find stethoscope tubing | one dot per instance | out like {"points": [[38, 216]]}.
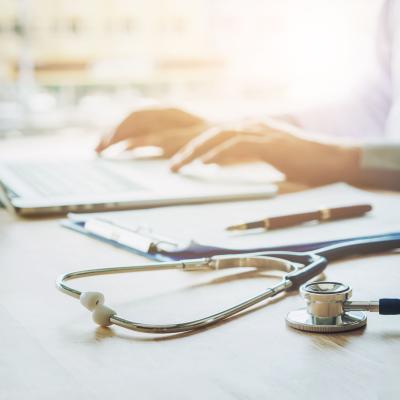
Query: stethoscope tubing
{"points": [[314, 263], [359, 247], [216, 263], [197, 250], [202, 322]]}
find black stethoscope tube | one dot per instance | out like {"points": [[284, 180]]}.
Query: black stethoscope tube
{"points": [[360, 247], [316, 261], [336, 250]]}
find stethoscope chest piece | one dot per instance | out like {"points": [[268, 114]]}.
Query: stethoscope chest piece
{"points": [[325, 311]]}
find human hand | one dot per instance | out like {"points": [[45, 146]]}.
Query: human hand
{"points": [[299, 158], [167, 128]]}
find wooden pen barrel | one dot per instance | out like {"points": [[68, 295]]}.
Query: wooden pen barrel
{"points": [[324, 214], [343, 212]]}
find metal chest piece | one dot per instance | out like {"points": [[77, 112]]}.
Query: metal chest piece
{"points": [[325, 311]]}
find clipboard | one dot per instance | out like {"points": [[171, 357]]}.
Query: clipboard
{"points": [[195, 231], [197, 250]]}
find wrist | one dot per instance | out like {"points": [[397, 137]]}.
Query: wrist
{"points": [[351, 160], [344, 163]]}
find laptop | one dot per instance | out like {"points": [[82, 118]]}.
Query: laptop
{"points": [[31, 188]]}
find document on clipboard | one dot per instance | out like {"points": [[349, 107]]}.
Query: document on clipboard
{"points": [[193, 231]]}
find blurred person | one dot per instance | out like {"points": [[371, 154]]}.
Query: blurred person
{"points": [[293, 148]]}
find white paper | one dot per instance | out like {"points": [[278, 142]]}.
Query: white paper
{"points": [[206, 223]]}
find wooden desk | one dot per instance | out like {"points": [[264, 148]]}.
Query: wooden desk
{"points": [[50, 348]]}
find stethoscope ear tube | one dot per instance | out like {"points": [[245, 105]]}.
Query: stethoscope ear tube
{"points": [[359, 247], [316, 265]]}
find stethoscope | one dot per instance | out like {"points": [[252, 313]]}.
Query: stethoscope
{"points": [[328, 306]]}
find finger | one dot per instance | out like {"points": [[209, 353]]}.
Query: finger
{"points": [[104, 143], [223, 153], [169, 140], [200, 146], [236, 150], [173, 139], [109, 140], [129, 127], [144, 122], [142, 141]]}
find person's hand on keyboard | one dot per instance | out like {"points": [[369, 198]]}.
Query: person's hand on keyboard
{"points": [[167, 128], [300, 158]]}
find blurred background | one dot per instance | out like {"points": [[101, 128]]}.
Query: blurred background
{"points": [[86, 64]]}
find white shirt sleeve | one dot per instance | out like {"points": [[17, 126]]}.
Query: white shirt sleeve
{"points": [[381, 156], [392, 129], [386, 155]]}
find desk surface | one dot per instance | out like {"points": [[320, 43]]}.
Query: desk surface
{"points": [[50, 348]]}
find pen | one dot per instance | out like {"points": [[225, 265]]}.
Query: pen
{"points": [[322, 214]]}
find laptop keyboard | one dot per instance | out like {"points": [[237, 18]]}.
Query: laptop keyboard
{"points": [[72, 178]]}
